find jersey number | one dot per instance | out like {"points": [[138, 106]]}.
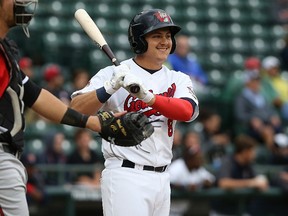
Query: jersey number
{"points": [[170, 127]]}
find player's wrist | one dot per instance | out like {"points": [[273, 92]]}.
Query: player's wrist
{"points": [[109, 87], [93, 123], [149, 98], [102, 94]]}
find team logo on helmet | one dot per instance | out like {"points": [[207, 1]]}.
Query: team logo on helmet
{"points": [[162, 17]]}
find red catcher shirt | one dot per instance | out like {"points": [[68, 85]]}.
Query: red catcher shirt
{"points": [[4, 76]]}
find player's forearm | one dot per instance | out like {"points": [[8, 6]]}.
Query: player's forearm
{"points": [[49, 106], [87, 103], [228, 183], [173, 108], [53, 109]]}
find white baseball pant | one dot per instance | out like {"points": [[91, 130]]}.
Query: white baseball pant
{"points": [[130, 192], [13, 178]]}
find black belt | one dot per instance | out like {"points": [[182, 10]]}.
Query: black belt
{"points": [[130, 164], [9, 149]]}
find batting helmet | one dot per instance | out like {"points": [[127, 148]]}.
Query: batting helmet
{"points": [[148, 21]]}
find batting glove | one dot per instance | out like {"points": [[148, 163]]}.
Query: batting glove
{"points": [[143, 94], [112, 85]]}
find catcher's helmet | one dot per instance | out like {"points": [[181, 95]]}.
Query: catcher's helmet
{"points": [[148, 21], [24, 11]]}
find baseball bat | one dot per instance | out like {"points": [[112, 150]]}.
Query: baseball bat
{"points": [[91, 29]]}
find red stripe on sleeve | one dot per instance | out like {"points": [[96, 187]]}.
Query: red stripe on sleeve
{"points": [[173, 108], [4, 76]]}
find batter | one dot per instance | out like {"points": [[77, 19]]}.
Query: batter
{"points": [[135, 180]]}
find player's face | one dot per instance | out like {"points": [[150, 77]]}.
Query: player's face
{"points": [[6, 15], [159, 44]]}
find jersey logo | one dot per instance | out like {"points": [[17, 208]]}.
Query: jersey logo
{"points": [[133, 104], [1, 212], [191, 91]]}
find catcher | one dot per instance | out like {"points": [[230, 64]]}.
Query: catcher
{"points": [[17, 91]]}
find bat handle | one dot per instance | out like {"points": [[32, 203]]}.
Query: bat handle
{"points": [[134, 89]]}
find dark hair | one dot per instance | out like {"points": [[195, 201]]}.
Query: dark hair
{"points": [[243, 142], [79, 132], [206, 114]]}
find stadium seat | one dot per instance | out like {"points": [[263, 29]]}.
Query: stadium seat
{"points": [[98, 59], [35, 146], [238, 45], [102, 9], [193, 28], [126, 10], [192, 13], [236, 4], [215, 29], [260, 46], [214, 61], [198, 44], [216, 44], [216, 14], [236, 29]]}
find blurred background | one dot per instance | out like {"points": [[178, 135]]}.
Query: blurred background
{"points": [[225, 40]]}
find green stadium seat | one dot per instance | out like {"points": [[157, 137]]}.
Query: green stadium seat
{"points": [[214, 61], [276, 31], [98, 59], [238, 45], [103, 9], [125, 10], [235, 61], [192, 28], [215, 29], [258, 31], [38, 24], [217, 14], [35, 146], [258, 16], [237, 30], [236, 4], [197, 43], [260, 46], [121, 26], [216, 44], [121, 42], [216, 77], [39, 129], [192, 13]]}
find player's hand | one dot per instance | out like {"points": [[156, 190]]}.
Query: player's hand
{"points": [[143, 93], [112, 85]]}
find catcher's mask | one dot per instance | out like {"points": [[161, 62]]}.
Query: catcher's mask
{"points": [[23, 12], [146, 22]]}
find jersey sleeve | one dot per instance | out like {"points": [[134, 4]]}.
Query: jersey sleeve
{"points": [[4, 76], [185, 90], [31, 91], [96, 82]]}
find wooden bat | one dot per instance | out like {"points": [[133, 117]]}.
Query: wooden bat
{"points": [[97, 37]]}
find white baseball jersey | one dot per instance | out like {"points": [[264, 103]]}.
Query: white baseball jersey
{"points": [[156, 150], [180, 174]]}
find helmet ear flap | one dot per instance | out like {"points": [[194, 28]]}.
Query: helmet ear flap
{"points": [[173, 45], [136, 40]]}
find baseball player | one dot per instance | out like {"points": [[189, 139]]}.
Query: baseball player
{"points": [[16, 92], [135, 180]]}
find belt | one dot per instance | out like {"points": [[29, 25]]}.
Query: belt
{"points": [[8, 149], [130, 164]]}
